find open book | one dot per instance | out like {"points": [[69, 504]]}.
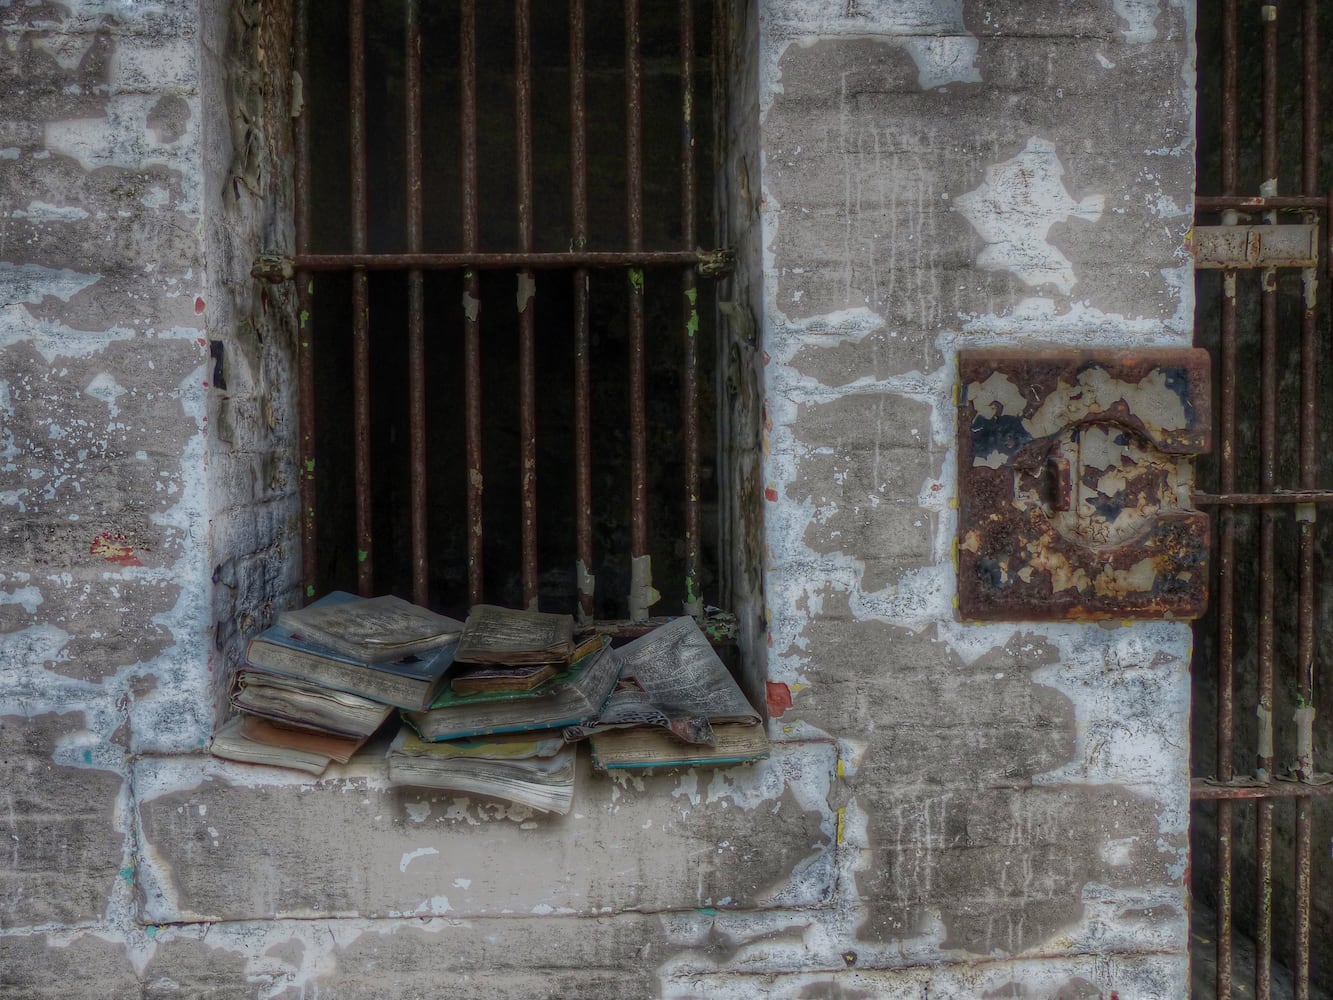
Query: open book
{"points": [[672, 679]]}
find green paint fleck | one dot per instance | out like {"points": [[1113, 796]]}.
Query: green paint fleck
{"points": [[87, 756], [128, 875], [691, 595], [708, 911], [309, 590], [692, 294], [362, 555], [150, 931], [310, 465], [305, 318], [636, 278], [692, 327], [311, 287]]}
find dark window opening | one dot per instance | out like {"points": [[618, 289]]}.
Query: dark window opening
{"points": [[383, 552]]}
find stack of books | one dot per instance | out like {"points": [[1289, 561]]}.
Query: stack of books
{"points": [[495, 706], [496, 728], [323, 679]]}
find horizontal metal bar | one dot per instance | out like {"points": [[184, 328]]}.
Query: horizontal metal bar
{"points": [[1202, 789], [1277, 498], [278, 267], [1256, 246], [721, 631], [1220, 203]]}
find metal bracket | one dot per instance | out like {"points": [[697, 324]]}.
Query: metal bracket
{"points": [[1256, 246]]}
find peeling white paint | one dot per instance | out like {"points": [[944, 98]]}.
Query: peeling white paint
{"points": [[931, 32], [1013, 211], [1141, 18], [410, 856]]}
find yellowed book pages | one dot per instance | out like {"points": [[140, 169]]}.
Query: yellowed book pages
{"points": [[339, 748]]}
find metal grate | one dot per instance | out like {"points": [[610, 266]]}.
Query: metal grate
{"points": [[640, 267], [1267, 482]]}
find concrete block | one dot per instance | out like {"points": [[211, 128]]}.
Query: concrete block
{"points": [[235, 843], [1004, 870], [58, 966], [63, 850]]}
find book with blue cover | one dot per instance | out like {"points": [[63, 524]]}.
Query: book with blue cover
{"points": [[380, 629], [411, 682]]}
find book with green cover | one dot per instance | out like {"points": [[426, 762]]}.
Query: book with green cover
{"points": [[573, 695]]}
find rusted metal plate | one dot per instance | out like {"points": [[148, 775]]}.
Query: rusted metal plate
{"points": [[1256, 246], [1075, 473]]}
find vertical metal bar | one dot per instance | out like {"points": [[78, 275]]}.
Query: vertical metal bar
{"points": [[1268, 481], [1226, 552], [1305, 516], [305, 289], [689, 403], [365, 576], [527, 384], [416, 334], [467, 73], [641, 596], [578, 166]]}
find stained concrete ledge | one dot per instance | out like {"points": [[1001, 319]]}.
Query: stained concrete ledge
{"points": [[229, 842]]}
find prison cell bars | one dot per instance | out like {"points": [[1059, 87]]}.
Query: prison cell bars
{"points": [[1262, 786], [524, 261]]}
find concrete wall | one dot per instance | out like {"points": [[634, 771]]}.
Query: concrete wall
{"points": [[951, 809]]}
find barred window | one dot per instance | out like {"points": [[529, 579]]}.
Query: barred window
{"points": [[508, 350]]}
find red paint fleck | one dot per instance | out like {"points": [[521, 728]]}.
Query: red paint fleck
{"points": [[770, 494], [203, 342], [767, 359], [779, 698], [205, 383], [114, 548], [198, 305]]}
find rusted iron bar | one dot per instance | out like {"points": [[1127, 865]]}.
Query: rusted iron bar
{"points": [[1202, 790], [365, 554], [1278, 498], [721, 632], [416, 314], [1226, 550], [1249, 204], [709, 263], [1268, 433], [640, 597], [578, 167], [527, 336], [467, 75], [1304, 885], [689, 402], [305, 289], [1309, 417]]}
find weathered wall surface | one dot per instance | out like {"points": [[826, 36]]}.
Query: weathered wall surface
{"points": [[954, 809]]}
